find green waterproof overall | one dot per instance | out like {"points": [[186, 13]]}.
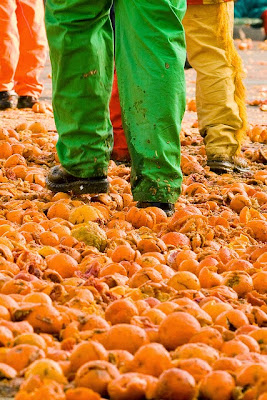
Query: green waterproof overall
{"points": [[150, 56]]}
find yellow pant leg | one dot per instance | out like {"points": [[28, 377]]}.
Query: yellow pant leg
{"points": [[220, 119]]}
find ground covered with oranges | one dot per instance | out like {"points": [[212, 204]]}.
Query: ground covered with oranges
{"points": [[101, 300]]}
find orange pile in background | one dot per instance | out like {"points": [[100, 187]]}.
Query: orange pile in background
{"points": [[99, 299]]}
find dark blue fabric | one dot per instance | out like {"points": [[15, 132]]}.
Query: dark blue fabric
{"points": [[250, 8]]}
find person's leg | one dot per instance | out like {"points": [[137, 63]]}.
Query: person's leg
{"points": [[150, 57], [33, 49], [81, 47], [220, 102], [9, 50], [120, 149]]}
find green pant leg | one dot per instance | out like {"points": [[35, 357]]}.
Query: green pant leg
{"points": [[81, 48], [150, 56]]}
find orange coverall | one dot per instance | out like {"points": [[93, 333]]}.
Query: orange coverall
{"points": [[22, 46]]}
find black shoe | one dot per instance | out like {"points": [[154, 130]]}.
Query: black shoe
{"points": [[168, 208], [187, 65], [226, 166], [127, 163], [59, 180], [7, 100], [26, 101]]}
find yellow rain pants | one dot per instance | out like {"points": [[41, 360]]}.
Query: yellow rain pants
{"points": [[220, 94]]}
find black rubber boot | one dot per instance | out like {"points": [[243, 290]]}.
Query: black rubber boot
{"points": [[26, 101], [7, 100], [59, 180], [168, 208], [225, 166]]}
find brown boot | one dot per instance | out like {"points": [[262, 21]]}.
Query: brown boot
{"points": [[227, 165]]}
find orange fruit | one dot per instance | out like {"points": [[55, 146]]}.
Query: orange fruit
{"points": [[196, 350], [260, 281], [125, 337], [232, 319], [34, 297], [120, 358], [85, 352], [177, 329], [22, 355], [132, 386], [210, 336], [6, 337], [150, 359], [92, 322], [120, 312], [175, 239], [62, 263], [5, 149], [49, 239], [196, 367], [59, 210], [227, 364], [217, 382], [123, 252], [175, 384], [96, 375], [20, 171], [15, 159], [234, 347], [82, 394]]}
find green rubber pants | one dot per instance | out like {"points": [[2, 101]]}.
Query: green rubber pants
{"points": [[150, 55]]}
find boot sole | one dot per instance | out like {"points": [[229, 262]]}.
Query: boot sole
{"points": [[225, 167], [21, 106], [80, 186]]}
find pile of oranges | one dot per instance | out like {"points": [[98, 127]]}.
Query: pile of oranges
{"points": [[99, 299]]}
